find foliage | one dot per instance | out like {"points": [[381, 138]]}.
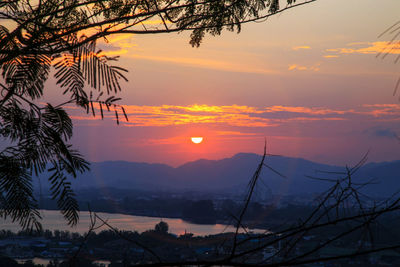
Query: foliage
{"points": [[201, 211], [161, 227], [345, 224], [36, 36], [37, 135], [393, 32]]}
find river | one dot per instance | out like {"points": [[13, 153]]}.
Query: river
{"points": [[53, 220]]}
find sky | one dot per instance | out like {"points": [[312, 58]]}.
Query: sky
{"points": [[309, 81]]}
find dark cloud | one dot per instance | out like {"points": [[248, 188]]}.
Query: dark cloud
{"points": [[381, 132]]}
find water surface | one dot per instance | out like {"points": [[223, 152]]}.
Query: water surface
{"points": [[53, 220]]}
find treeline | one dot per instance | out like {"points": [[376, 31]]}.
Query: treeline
{"points": [[103, 236], [204, 211], [120, 247], [9, 262], [207, 211]]}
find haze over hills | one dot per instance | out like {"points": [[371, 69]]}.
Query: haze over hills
{"points": [[233, 174]]}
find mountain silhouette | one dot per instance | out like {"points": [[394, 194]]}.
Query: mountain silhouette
{"points": [[233, 174]]}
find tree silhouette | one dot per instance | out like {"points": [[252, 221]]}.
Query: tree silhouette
{"points": [[161, 227], [343, 216], [393, 32], [36, 36]]}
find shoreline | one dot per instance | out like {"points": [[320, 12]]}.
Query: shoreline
{"points": [[53, 220]]}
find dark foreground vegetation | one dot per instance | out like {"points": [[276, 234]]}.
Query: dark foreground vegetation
{"points": [[40, 39], [344, 227], [125, 248]]}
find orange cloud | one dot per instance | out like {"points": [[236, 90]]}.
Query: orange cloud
{"points": [[116, 45], [296, 67], [306, 110], [381, 110], [242, 116], [167, 115], [86, 118], [303, 68], [392, 47], [304, 119], [301, 47]]}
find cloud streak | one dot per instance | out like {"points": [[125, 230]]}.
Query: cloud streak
{"points": [[315, 67], [381, 132], [383, 47], [301, 47], [246, 116]]}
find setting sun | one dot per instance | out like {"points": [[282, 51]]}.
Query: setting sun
{"points": [[197, 140]]}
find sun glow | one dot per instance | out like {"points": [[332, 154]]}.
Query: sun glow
{"points": [[197, 140]]}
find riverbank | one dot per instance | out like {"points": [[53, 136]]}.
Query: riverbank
{"points": [[53, 220]]}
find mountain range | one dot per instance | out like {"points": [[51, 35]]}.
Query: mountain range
{"points": [[233, 174]]}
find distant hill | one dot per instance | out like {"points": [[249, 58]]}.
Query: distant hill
{"points": [[233, 174]]}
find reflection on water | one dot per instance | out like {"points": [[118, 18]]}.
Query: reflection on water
{"points": [[35, 261], [53, 220], [45, 262]]}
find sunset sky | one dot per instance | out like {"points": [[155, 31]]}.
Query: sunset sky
{"points": [[308, 81]]}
